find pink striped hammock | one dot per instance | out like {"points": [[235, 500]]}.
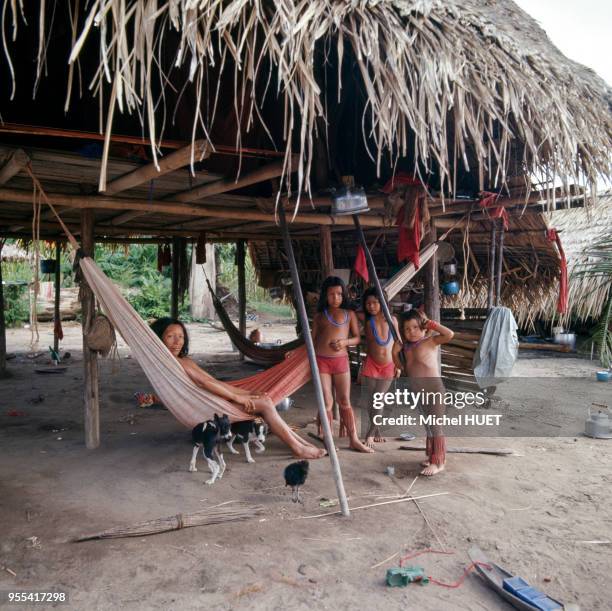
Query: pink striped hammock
{"points": [[188, 403]]}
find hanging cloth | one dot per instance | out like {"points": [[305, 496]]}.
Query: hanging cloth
{"points": [[562, 303], [361, 265], [488, 200]]}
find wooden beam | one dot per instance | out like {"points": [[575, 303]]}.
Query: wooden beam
{"points": [[17, 196], [2, 321], [312, 358], [431, 282], [266, 172], [57, 318], [500, 258], [491, 291], [240, 261], [174, 296], [90, 358], [120, 219], [55, 132], [175, 160], [327, 257], [16, 162]]}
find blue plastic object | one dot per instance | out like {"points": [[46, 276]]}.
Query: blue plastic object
{"points": [[521, 589], [451, 287]]}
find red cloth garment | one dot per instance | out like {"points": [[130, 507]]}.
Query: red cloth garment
{"points": [[409, 240], [361, 265], [57, 329], [401, 178], [488, 200], [373, 369], [563, 302]]}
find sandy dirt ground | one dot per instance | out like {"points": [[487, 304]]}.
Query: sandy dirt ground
{"points": [[543, 513]]}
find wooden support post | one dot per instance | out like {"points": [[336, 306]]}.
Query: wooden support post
{"points": [[90, 358], [57, 318], [500, 258], [431, 281], [316, 378], [2, 322], [491, 295], [174, 297], [240, 259], [327, 257]]}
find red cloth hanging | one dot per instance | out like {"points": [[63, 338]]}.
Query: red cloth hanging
{"points": [[361, 265], [488, 200], [401, 178], [563, 301], [57, 329], [409, 239]]}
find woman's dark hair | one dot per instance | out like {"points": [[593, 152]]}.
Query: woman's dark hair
{"points": [[370, 292], [328, 283], [161, 324]]}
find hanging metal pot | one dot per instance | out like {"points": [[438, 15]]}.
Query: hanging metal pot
{"points": [[47, 266], [450, 268]]}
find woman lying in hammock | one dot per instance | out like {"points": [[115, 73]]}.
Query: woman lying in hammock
{"points": [[174, 336]]}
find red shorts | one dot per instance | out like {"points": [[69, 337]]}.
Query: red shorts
{"points": [[333, 364], [372, 369]]}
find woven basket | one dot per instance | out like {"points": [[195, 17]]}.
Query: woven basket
{"points": [[101, 336]]}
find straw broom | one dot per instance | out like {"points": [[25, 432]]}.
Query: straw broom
{"points": [[206, 517]]}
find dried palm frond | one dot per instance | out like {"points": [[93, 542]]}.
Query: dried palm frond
{"points": [[214, 515], [480, 75]]}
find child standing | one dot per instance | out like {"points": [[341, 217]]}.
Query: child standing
{"points": [[379, 369], [420, 348], [334, 329]]}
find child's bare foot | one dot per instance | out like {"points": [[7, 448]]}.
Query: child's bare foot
{"points": [[369, 442], [379, 439], [355, 444], [425, 463], [432, 470]]}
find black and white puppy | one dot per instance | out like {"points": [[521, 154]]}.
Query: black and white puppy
{"points": [[245, 432], [209, 436]]}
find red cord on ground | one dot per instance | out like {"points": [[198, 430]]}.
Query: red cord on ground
{"points": [[455, 584]]}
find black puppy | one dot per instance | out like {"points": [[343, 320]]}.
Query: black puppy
{"points": [[245, 432], [209, 435]]}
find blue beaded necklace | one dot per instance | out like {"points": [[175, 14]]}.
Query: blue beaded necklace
{"points": [[333, 322], [377, 337]]}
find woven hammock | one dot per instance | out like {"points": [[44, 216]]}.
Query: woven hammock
{"points": [[189, 403], [259, 354]]}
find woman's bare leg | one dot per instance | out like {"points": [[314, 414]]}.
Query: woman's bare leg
{"points": [[342, 383], [300, 448]]}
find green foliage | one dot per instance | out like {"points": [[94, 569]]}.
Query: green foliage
{"points": [[227, 274], [16, 305]]}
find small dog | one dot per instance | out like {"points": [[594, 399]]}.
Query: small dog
{"points": [[245, 432], [209, 435]]}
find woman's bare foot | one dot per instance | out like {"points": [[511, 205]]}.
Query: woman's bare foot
{"points": [[432, 470], [309, 452], [355, 444]]}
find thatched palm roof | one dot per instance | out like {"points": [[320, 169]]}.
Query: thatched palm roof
{"points": [[581, 229], [447, 83]]}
